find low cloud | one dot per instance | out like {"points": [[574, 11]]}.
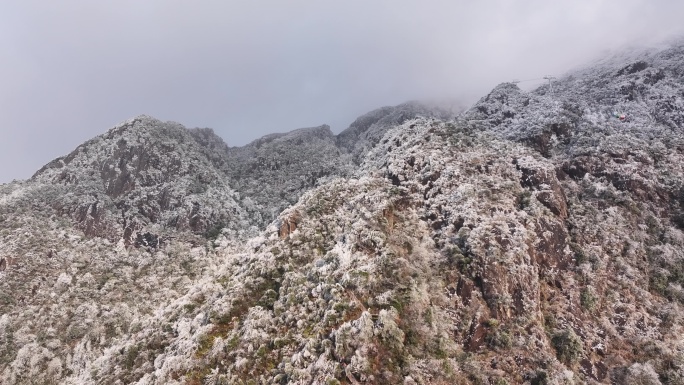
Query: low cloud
{"points": [[72, 69]]}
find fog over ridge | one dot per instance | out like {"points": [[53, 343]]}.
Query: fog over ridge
{"points": [[246, 69]]}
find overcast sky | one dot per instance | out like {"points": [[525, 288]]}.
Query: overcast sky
{"points": [[70, 69]]}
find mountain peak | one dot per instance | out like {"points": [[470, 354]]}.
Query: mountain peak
{"points": [[145, 172], [139, 122]]}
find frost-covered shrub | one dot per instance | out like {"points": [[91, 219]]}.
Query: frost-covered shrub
{"points": [[641, 374], [568, 346], [588, 298]]}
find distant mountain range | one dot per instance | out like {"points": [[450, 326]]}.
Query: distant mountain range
{"points": [[535, 238]]}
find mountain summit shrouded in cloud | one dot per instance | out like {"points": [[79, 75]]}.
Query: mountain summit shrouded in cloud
{"points": [[535, 238], [249, 69]]}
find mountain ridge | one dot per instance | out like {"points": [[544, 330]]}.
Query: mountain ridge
{"points": [[537, 238]]}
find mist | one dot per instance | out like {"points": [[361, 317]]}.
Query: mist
{"points": [[73, 69]]}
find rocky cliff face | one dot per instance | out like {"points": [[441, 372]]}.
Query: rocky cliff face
{"points": [[535, 239]]}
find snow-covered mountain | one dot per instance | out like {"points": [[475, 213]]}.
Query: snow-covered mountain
{"points": [[142, 176], [537, 238]]}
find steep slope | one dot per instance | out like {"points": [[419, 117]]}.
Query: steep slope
{"points": [[99, 238], [469, 262], [536, 239], [623, 181], [466, 261], [460, 263]]}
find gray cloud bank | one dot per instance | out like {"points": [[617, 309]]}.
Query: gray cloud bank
{"points": [[71, 69]]}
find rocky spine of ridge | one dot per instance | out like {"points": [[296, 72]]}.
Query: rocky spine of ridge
{"points": [[145, 179]]}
